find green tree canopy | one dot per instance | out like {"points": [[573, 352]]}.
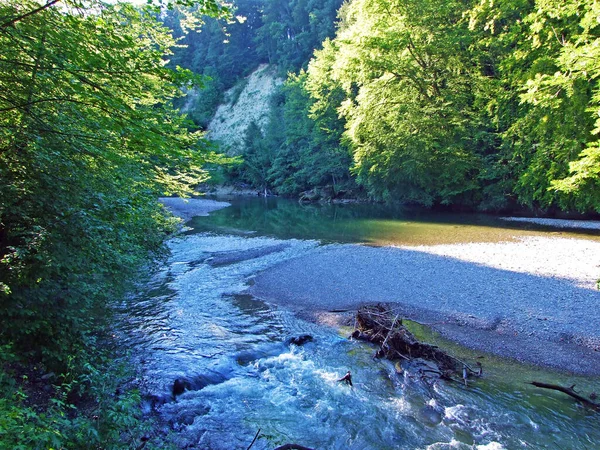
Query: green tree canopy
{"points": [[410, 88], [88, 140], [470, 103]]}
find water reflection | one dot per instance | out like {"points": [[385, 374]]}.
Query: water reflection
{"points": [[373, 224]]}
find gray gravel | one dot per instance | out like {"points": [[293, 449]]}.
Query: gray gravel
{"points": [[186, 208], [534, 300], [558, 223]]}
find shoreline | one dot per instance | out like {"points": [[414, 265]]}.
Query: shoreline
{"points": [[527, 309], [533, 300], [557, 223], [186, 208]]}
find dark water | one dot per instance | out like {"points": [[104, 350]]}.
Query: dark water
{"points": [[366, 223], [193, 322]]}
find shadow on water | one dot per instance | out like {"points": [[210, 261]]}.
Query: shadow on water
{"points": [[374, 224]]}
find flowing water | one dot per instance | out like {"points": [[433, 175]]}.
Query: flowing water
{"points": [[239, 373]]}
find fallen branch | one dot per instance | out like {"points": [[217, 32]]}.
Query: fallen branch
{"points": [[254, 440], [390, 332], [477, 372], [346, 378], [569, 391]]}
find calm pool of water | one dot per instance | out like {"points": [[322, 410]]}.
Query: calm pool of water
{"points": [[366, 223]]}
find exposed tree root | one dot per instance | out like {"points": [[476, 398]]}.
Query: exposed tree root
{"points": [[382, 326]]}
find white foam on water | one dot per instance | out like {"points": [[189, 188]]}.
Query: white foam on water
{"points": [[401, 404], [490, 446], [292, 393]]}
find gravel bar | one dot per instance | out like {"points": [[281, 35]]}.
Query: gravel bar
{"points": [[557, 223], [534, 300], [186, 208]]}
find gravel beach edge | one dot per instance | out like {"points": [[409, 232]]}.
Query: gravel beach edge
{"points": [[533, 300], [186, 208]]}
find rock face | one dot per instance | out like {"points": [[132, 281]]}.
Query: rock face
{"points": [[246, 103]]}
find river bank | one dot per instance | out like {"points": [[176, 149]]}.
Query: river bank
{"points": [[533, 299], [194, 326]]}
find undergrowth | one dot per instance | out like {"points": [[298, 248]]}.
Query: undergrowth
{"points": [[86, 407]]}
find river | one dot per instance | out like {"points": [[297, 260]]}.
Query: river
{"points": [[192, 321]]}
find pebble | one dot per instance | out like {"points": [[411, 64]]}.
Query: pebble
{"points": [[492, 289]]}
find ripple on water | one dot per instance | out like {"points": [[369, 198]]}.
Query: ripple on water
{"points": [[195, 323]]}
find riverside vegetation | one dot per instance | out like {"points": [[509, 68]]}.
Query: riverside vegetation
{"points": [[88, 140], [471, 104], [479, 105]]}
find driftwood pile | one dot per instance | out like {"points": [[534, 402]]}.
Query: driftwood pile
{"points": [[382, 326]]}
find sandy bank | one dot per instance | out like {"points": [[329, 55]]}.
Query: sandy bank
{"points": [[186, 208], [534, 300]]}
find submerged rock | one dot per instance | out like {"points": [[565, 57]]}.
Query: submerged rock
{"points": [[429, 415], [154, 402], [301, 340], [180, 385], [252, 355], [198, 382], [233, 257]]}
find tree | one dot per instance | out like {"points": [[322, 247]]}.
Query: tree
{"points": [[88, 140], [543, 55], [292, 29], [309, 154], [566, 90], [409, 84], [257, 158]]}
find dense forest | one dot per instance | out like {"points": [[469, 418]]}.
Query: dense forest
{"points": [[89, 139], [467, 104], [478, 105]]}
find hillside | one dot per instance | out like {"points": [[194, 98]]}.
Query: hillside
{"points": [[246, 102]]}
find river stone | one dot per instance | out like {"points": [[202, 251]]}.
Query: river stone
{"points": [[301, 340], [180, 385], [48, 376], [198, 382], [430, 416], [153, 402]]}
